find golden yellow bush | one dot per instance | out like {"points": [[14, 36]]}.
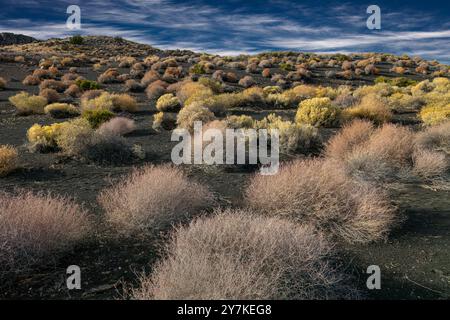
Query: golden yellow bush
{"points": [[168, 102], [238, 122], [43, 137], [124, 102], [8, 159], [188, 89], [434, 114], [318, 112], [61, 110], [26, 104], [371, 107]]}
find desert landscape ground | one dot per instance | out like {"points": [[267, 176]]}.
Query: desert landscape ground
{"points": [[364, 178]]}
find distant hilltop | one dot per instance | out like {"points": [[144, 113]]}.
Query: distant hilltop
{"points": [[7, 38]]}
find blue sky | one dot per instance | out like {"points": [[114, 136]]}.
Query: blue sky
{"points": [[249, 26]]}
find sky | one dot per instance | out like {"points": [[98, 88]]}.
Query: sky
{"points": [[246, 26]]}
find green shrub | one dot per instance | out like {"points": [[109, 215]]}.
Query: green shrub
{"points": [[87, 84], [97, 116], [77, 40]]}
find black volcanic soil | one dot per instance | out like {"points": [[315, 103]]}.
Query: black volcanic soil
{"points": [[415, 261]]}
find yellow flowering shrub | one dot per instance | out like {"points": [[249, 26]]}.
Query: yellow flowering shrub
{"points": [[372, 107], [8, 159], [43, 137], [168, 102], [434, 114], [318, 112]]}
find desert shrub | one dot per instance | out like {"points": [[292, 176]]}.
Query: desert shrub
{"points": [[87, 84], [371, 107], [8, 159], [168, 103], [293, 137], [52, 84], [247, 82], [166, 121], [43, 138], [73, 136], [133, 86], [368, 153], [96, 117], [239, 122], [110, 150], [317, 112], [76, 40], [42, 74], [434, 114], [61, 110], [109, 76], [117, 126], [237, 255], [51, 95], [153, 197], [320, 193], [149, 77], [102, 102], [2, 83], [26, 104], [124, 102], [188, 89], [197, 69], [379, 89], [154, 91], [31, 80], [91, 94], [429, 164], [400, 102], [73, 91], [191, 113], [36, 227], [215, 86], [435, 138]]}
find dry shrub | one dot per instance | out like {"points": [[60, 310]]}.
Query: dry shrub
{"points": [[62, 110], [188, 89], [237, 255], [166, 121], [110, 150], [168, 103], [52, 84], [133, 86], [117, 126], [35, 227], [429, 164], [369, 153], [318, 112], [192, 113], [149, 77], [73, 90], [51, 95], [320, 193], [109, 76], [31, 80], [73, 136], [91, 94], [124, 102], [153, 197], [26, 104], [371, 107], [154, 91], [436, 138], [8, 159]]}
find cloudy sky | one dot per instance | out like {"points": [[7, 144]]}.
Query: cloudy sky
{"points": [[249, 26]]}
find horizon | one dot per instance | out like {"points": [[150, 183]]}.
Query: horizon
{"points": [[233, 28]]}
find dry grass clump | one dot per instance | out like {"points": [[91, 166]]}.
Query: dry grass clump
{"points": [[2, 83], [61, 110], [320, 193], [371, 107], [237, 255], [192, 113], [117, 126], [108, 101], [73, 91], [318, 112], [8, 159], [53, 84], [35, 227], [155, 90], [153, 197], [26, 104], [124, 102], [109, 76]]}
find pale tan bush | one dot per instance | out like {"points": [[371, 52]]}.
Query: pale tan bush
{"points": [[238, 255], [26, 104], [61, 110], [73, 136], [51, 95], [429, 164], [435, 138], [320, 193], [124, 102], [8, 159], [117, 126], [35, 227], [153, 197], [31, 80]]}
